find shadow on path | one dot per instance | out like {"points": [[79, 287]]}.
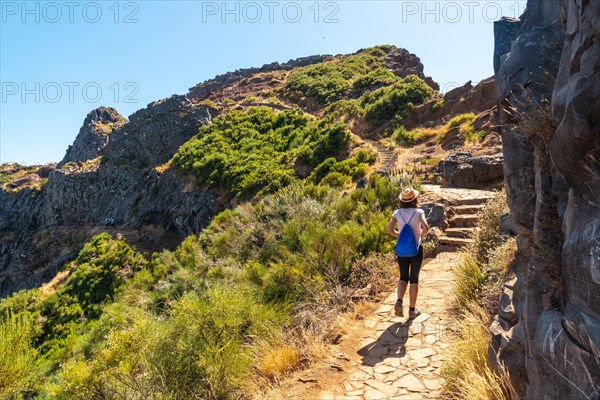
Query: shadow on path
{"points": [[390, 344]]}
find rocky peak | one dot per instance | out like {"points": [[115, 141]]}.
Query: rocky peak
{"points": [[93, 135], [403, 63]]}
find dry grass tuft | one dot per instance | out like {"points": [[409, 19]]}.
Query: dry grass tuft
{"points": [[278, 360]]}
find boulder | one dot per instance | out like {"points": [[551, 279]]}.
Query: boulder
{"points": [[452, 139], [462, 169], [507, 225], [436, 215]]}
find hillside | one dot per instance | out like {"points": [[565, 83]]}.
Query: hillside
{"points": [[274, 181], [133, 170]]}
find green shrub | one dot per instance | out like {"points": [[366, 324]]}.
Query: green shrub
{"points": [[460, 119], [387, 103], [17, 355], [437, 105], [336, 179], [404, 137], [252, 151], [334, 80]]}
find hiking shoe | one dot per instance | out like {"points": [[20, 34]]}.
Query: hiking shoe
{"points": [[412, 314], [398, 309]]}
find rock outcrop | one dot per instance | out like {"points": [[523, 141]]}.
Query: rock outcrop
{"points": [[462, 169], [93, 135], [547, 333], [463, 99]]}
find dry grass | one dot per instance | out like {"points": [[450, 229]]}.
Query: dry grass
{"points": [[479, 276], [278, 360], [51, 287], [468, 373]]}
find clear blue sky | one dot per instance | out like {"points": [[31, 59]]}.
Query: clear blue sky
{"points": [[55, 56]]}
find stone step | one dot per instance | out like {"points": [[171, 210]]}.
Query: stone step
{"points": [[459, 232], [463, 221], [454, 241], [469, 201], [468, 209]]}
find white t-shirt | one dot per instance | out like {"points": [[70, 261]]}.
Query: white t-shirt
{"points": [[416, 223]]}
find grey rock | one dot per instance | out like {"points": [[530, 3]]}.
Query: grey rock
{"points": [[435, 214], [93, 135], [462, 169], [507, 225], [553, 188]]}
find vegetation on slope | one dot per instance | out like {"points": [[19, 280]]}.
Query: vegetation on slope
{"points": [[343, 77], [257, 151], [249, 287], [359, 87]]}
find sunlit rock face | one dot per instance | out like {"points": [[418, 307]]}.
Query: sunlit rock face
{"points": [[547, 333]]}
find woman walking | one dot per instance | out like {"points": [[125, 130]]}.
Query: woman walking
{"points": [[410, 264]]}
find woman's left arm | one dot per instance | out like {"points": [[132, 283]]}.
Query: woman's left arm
{"points": [[424, 225]]}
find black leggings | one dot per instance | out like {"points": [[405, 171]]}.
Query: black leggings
{"points": [[414, 263]]}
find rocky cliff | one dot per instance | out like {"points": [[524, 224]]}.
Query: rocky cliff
{"points": [[547, 333], [112, 170]]}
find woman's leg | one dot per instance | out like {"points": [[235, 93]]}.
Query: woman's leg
{"points": [[403, 264], [415, 268]]}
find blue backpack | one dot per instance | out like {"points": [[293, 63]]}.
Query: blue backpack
{"points": [[407, 244]]}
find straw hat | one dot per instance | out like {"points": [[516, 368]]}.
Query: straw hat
{"points": [[408, 194]]}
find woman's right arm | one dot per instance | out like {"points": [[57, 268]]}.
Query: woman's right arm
{"points": [[390, 228]]}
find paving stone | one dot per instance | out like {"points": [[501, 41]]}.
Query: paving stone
{"points": [[388, 337], [382, 326], [433, 384], [327, 395], [374, 394], [383, 369], [348, 387], [411, 396], [358, 376], [391, 299], [357, 393], [384, 309], [371, 361], [431, 339], [370, 323], [421, 353], [420, 363], [414, 342], [388, 390], [399, 373], [378, 351], [410, 382], [421, 318]]}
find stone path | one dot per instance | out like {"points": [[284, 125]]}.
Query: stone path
{"points": [[401, 358]]}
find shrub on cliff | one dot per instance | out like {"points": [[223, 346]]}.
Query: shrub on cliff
{"points": [[384, 104]]}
